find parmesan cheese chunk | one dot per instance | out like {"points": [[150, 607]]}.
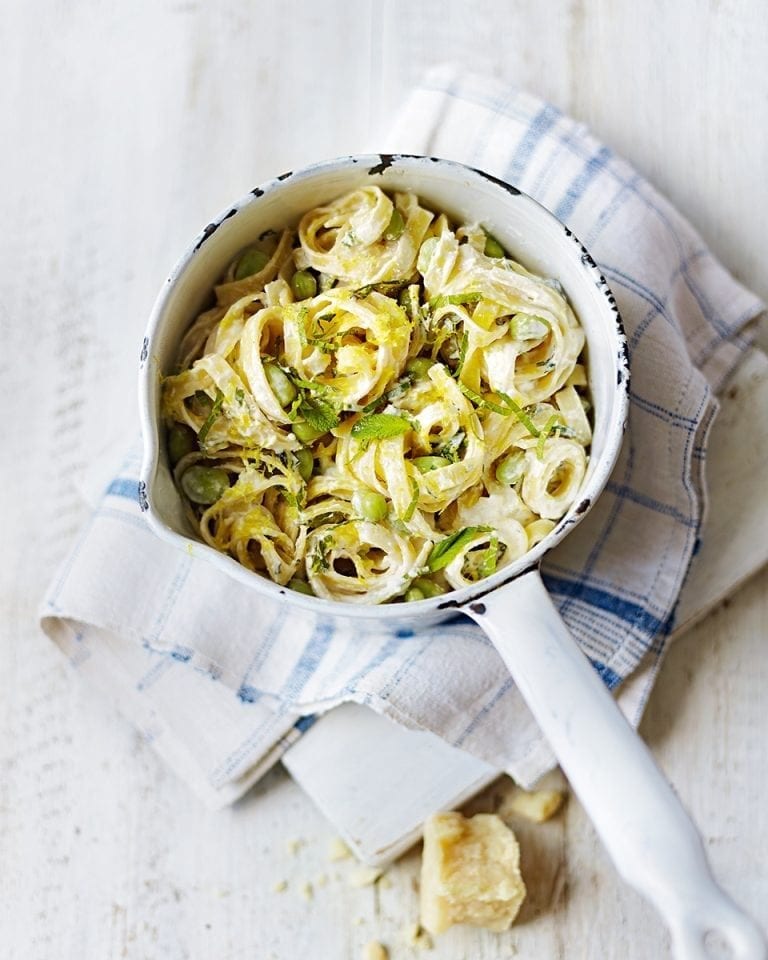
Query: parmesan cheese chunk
{"points": [[470, 873], [375, 951], [535, 805]]}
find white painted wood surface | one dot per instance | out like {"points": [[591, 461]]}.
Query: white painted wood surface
{"points": [[125, 127]]}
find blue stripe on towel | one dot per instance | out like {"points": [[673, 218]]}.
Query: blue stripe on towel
{"points": [[539, 125], [579, 185], [127, 487], [608, 676], [626, 610], [309, 661]]}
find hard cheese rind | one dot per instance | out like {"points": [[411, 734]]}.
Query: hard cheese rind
{"points": [[470, 873]]}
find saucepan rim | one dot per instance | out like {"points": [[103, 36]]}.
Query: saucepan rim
{"points": [[456, 599]]}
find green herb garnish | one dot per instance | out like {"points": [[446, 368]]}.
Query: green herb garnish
{"points": [[448, 549], [549, 427], [409, 301], [555, 425], [450, 450], [319, 561], [212, 417], [307, 339], [407, 516], [455, 299], [380, 426], [395, 226], [521, 415], [382, 286], [464, 343], [490, 557], [397, 390], [318, 414], [483, 402], [307, 384]]}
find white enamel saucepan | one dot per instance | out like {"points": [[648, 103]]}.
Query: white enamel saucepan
{"points": [[652, 841]]}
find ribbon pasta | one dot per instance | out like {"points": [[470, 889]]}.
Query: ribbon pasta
{"points": [[378, 406]]}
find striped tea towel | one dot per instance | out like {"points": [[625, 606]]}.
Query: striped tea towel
{"points": [[222, 681]]}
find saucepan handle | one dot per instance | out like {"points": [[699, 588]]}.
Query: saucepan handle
{"points": [[648, 834]]}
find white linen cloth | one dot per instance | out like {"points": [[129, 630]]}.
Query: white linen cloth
{"points": [[222, 682]]}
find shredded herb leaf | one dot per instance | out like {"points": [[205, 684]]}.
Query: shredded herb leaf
{"points": [[462, 354], [307, 384], [521, 415], [382, 286], [325, 346], [555, 424], [456, 299], [448, 549], [318, 414], [380, 426], [212, 417], [509, 407], [450, 450], [409, 301], [490, 557], [319, 561], [408, 515], [398, 389], [483, 401]]}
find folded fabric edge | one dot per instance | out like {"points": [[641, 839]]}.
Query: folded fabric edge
{"points": [[115, 685]]}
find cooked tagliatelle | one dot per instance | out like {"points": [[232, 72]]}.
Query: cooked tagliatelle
{"points": [[379, 406]]}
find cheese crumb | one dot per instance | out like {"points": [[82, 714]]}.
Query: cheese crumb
{"points": [[293, 845], [307, 891], [281, 886], [536, 805], [365, 876], [338, 850], [321, 880], [375, 951], [470, 873]]}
